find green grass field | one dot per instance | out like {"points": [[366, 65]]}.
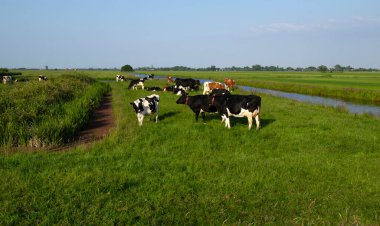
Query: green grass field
{"points": [[355, 86], [307, 165]]}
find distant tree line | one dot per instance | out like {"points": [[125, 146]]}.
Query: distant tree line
{"points": [[257, 67]]}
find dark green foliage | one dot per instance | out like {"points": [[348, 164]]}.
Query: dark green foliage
{"points": [[45, 113], [127, 68]]}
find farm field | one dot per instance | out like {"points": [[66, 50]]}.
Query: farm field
{"points": [[356, 86], [306, 165]]}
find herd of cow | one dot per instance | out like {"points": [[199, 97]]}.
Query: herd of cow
{"points": [[218, 100], [7, 79]]}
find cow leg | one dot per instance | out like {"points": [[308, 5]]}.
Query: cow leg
{"points": [[156, 117], [250, 120], [203, 116], [197, 115], [140, 118], [257, 118]]}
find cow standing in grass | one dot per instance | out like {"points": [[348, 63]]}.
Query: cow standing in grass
{"points": [[42, 78], [198, 104], [146, 106], [210, 86], [137, 82], [230, 83], [120, 78]]}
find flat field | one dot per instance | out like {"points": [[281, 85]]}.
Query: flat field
{"points": [[356, 86], [306, 165]]}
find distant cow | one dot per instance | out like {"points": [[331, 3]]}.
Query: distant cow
{"points": [[187, 83], [197, 103], [120, 78], [219, 92], [7, 79], [242, 106], [42, 78], [209, 86], [146, 106], [137, 82], [151, 76], [154, 88], [229, 83], [170, 79]]}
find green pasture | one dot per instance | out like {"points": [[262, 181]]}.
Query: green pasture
{"points": [[306, 165], [355, 86]]}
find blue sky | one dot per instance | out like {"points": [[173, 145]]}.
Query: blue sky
{"points": [[161, 33]]}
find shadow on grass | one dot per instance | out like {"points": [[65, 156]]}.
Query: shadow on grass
{"points": [[263, 122], [167, 115]]}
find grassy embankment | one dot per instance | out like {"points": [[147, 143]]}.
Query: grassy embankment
{"points": [[307, 165], [47, 113], [355, 86]]}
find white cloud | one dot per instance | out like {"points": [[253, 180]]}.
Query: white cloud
{"points": [[333, 23]]}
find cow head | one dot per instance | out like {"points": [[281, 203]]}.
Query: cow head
{"points": [[137, 106], [183, 98]]}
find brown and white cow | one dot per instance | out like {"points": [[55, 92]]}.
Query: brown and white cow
{"points": [[170, 79], [230, 83], [210, 86]]}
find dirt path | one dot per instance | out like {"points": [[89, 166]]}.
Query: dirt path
{"points": [[98, 126]]}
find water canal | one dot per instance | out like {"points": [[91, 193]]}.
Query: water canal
{"points": [[354, 108]]}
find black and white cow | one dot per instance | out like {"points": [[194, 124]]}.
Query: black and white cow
{"points": [[137, 82], [120, 78], [146, 106], [154, 88], [241, 106], [197, 103], [42, 78], [151, 76], [187, 83]]}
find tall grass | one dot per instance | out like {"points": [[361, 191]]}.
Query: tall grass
{"points": [[47, 113]]}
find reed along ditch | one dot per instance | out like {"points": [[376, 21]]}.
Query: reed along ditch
{"points": [[354, 108]]}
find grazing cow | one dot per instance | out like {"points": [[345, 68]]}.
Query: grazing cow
{"points": [[179, 90], [229, 83], [219, 92], [151, 76], [146, 106], [137, 82], [170, 79], [42, 78], [197, 103], [210, 86], [7, 79], [154, 88], [187, 83], [242, 106], [120, 78]]}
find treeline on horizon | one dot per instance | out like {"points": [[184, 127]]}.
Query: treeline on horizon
{"points": [[257, 67]]}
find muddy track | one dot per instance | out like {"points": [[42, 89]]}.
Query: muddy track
{"points": [[98, 127]]}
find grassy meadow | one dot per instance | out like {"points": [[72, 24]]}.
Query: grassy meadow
{"points": [[354, 86], [307, 164]]}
